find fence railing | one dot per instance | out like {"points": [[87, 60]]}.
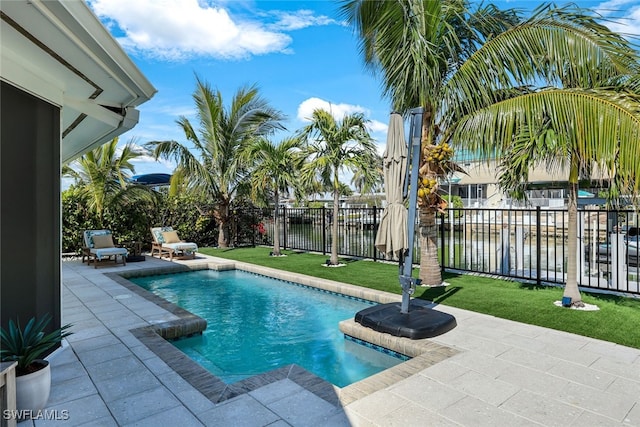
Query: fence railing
{"points": [[528, 244]]}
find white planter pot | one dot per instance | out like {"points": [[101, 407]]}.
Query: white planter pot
{"points": [[32, 390]]}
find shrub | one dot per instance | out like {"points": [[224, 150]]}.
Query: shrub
{"points": [[76, 218]]}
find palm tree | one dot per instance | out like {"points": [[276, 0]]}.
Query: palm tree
{"points": [[334, 146], [588, 133], [308, 191], [469, 67], [359, 179], [586, 121], [218, 170], [102, 175], [414, 46], [275, 170]]}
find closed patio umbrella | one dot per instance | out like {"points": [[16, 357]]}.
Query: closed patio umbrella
{"points": [[392, 237], [395, 237]]}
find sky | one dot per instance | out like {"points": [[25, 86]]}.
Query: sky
{"points": [[300, 54]]}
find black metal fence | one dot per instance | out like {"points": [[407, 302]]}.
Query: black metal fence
{"points": [[309, 229], [528, 244]]}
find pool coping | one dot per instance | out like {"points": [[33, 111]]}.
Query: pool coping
{"points": [[424, 353]]}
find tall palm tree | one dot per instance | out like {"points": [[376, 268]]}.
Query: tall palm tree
{"points": [[102, 176], [466, 67], [334, 146], [586, 121], [414, 46], [275, 170], [218, 170]]}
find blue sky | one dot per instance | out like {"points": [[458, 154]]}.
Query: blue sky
{"points": [[299, 54]]}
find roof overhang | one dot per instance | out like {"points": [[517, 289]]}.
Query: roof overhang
{"points": [[59, 51]]}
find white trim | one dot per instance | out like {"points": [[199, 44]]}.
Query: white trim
{"points": [[59, 51], [94, 110], [18, 73], [121, 67]]}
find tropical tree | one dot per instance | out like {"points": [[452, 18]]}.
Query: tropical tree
{"points": [[308, 191], [217, 170], [275, 169], [102, 177], [414, 46], [360, 177], [469, 67], [585, 122], [333, 147]]}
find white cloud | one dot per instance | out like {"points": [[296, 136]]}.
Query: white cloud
{"points": [[161, 164], [172, 110], [377, 126], [288, 21], [379, 134], [180, 29], [613, 5], [338, 111], [621, 16]]}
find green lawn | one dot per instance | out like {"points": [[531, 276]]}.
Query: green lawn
{"points": [[618, 319]]}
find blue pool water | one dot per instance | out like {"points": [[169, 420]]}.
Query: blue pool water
{"points": [[256, 324]]}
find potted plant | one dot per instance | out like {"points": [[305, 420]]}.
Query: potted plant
{"points": [[26, 346]]}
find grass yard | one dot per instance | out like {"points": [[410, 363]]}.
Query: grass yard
{"points": [[618, 319]]}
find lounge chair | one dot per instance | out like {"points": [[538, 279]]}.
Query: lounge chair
{"points": [[167, 243], [99, 246]]}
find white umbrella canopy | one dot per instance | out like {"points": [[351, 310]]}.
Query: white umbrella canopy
{"points": [[392, 237]]}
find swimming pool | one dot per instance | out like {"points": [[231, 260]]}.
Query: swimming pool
{"points": [[257, 323]]}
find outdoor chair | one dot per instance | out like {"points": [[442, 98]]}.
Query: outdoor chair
{"points": [[99, 246], [167, 243]]}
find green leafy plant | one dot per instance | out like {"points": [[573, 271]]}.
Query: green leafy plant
{"points": [[27, 345]]}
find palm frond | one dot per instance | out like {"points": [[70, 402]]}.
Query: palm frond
{"points": [[561, 46], [600, 128]]}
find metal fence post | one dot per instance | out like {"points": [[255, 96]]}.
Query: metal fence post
{"points": [[284, 226], [442, 240], [324, 230], [538, 246], [375, 227]]}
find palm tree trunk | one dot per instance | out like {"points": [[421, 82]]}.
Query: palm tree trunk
{"points": [[276, 225], [571, 288], [223, 235], [430, 273], [222, 216], [334, 228]]}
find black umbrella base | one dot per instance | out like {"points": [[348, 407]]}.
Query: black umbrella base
{"points": [[420, 322]]}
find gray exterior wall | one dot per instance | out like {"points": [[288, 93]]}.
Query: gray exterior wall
{"points": [[29, 207]]}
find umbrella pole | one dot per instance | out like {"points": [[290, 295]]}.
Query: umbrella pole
{"points": [[407, 281]]}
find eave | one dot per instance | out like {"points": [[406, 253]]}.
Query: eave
{"points": [[60, 52]]}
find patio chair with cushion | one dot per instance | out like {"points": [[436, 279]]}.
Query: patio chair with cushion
{"points": [[167, 243], [99, 246]]}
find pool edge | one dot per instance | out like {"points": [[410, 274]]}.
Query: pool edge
{"points": [[424, 353]]}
